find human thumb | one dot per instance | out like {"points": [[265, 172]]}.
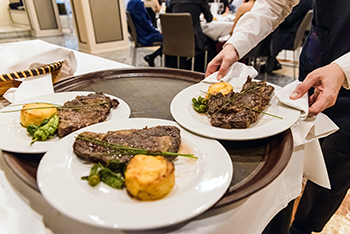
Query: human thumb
{"points": [[298, 92]]}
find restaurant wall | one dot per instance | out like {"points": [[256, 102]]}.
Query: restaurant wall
{"points": [[4, 15]]}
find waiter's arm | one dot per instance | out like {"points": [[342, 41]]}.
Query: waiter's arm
{"points": [[252, 27]]}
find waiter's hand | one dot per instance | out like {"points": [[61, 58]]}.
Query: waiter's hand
{"points": [[222, 61], [327, 82]]}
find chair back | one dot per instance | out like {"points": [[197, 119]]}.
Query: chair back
{"points": [[303, 27], [178, 34], [131, 28]]}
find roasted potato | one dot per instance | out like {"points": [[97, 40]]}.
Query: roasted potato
{"points": [[36, 116], [220, 87], [149, 177]]}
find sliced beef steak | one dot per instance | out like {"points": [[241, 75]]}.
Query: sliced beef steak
{"points": [[84, 111], [239, 110], [155, 139]]}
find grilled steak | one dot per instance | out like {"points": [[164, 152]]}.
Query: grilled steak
{"points": [[155, 139], [84, 111], [239, 110]]}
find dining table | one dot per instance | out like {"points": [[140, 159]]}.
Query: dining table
{"points": [[219, 28], [267, 172]]}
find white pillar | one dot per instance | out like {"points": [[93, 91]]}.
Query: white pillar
{"points": [[43, 17], [100, 25]]}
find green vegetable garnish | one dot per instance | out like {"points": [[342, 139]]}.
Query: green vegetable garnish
{"points": [[94, 177], [31, 129], [115, 180], [200, 104], [111, 174], [44, 131], [94, 180]]}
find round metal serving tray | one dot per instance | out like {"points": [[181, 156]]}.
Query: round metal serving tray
{"points": [[149, 92]]}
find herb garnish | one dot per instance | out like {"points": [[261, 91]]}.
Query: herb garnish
{"points": [[125, 150]]}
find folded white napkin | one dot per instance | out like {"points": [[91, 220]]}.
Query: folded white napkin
{"points": [[299, 104], [306, 129], [30, 87], [306, 133], [236, 71], [16, 57]]}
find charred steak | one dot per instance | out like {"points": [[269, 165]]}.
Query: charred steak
{"points": [[155, 139], [84, 111], [239, 110]]}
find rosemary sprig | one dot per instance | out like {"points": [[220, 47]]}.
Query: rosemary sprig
{"points": [[236, 95], [125, 150], [262, 112], [59, 107]]}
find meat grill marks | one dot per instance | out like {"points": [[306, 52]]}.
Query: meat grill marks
{"points": [[239, 110], [155, 139], [92, 111]]}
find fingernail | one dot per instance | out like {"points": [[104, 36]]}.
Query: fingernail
{"points": [[294, 95], [219, 77]]}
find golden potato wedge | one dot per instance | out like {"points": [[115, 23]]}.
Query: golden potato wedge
{"points": [[220, 87], [149, 177], [36, 116]]}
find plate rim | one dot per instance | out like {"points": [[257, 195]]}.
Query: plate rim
{"points": [[200, 209], [191, 124], [38, 151]]}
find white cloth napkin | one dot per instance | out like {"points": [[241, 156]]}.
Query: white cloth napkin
{"points": [[306, 133], [16, 57], [236, 71], [299, 104], [216, 29], [16, 217], [30, 87]]}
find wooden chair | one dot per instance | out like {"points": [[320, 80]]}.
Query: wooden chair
{"points": [[133, 34], [178, 37]]}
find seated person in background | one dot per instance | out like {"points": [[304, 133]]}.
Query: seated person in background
{"points": [[152, 7], [288, 29], [246, 6], [146, 32], [226, 5], [195, 8], [16, 5]]}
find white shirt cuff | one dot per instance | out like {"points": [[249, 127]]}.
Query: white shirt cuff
{"points": [[344, 63]]}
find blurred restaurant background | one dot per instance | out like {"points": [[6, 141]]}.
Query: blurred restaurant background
{"points": [[84, 25]]}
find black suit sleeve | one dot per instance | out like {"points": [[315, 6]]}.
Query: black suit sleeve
{"points": [[205, 9], [298, 12]]}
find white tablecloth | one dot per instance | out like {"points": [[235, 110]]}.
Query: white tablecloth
{"points": [[218, 28], [248, 216]]}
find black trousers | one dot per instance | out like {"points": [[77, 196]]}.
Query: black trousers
{"points": [[318, 204]]}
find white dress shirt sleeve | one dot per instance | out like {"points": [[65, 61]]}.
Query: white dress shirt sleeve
{"points": [[344, 62], [255, 25]]}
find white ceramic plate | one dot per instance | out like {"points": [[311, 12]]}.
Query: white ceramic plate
{"points": [[14, 137], [182, 111], [199, 183]]}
